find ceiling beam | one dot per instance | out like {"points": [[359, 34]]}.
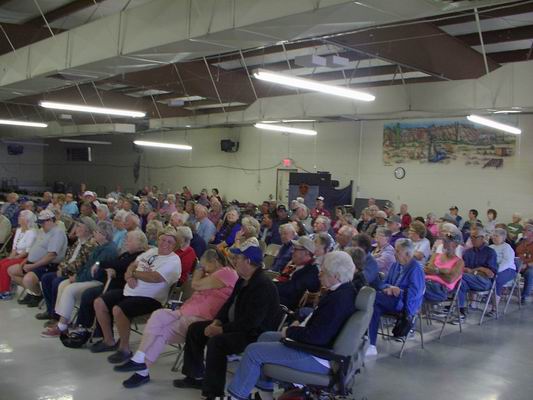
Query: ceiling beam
{"points": [[503, 57], [519, 7], [502, 35], [423, 47], [63, 11]]}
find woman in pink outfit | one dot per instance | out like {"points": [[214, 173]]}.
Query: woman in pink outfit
{"points": [[213, 284]]}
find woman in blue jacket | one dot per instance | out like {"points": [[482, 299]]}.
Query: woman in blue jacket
{"points": [[402, 290]]}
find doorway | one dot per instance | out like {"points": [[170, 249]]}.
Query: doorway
{"points": [[282, 185]]}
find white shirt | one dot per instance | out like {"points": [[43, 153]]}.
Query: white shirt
{"points": [[423, 246], [169, 267], [505, 256], [24, 240]]}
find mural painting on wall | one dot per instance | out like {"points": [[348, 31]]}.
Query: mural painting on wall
{"points": [[445, 142]]}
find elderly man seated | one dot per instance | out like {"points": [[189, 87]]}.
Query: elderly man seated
{"points": [[417, 233], [524, 250], [301, 214], [148, 280], [481, 266], [321, 224], [288, 234], [344, 237], [253, 308], [300, 275], [45, 254], [321, 329], [402, 290], [206, 229], [394, 224], [10, 209], [380, 222], [370, 265], [383, 252], [320, 209]]}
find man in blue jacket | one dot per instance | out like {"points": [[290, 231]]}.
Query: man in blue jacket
{"points": [[402, 290], [481, 266], [300, 275], [288, 234]]}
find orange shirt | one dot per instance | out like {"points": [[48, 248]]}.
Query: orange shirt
{"points": [[524, 250]]}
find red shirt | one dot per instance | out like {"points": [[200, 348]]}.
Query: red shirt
{"points": [[188, 259], [406, 220], [315, 212]]}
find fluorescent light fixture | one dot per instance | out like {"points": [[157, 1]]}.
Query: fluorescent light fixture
{"points": [[91, 109], [162, 145], [289, 121], [493, 124], [25, 143], [22, 123], [82, 141], [312, 85], [507, 112], [287, 129]]}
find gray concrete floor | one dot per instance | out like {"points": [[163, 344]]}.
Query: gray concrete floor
{"points": [[491, 362]]}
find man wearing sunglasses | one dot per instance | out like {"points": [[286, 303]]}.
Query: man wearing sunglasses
{"points": [[481, 267]]}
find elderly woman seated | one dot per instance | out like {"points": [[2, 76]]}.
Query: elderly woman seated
{"points": [[444, 269], [402, 290], [185, 252], [288, 234], [324, 243], [212, 283], [148, 280], [25, 235], [70, 290], [417, 233], [153, 229], [505, 257], [225, 237], [320, 329], [249, 231], [383, 252]]}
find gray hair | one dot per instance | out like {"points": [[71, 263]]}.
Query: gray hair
{"points": [[339, 264], [104, 208], [348, 229], [384, 232], [287, 227], [185, 234], [106, 229], [140, 238], [251, 225], [500, 232], [449, 227], [121, 215], [325, 240], [29, 217], [325, 220], [406, 245], [213, 254], [135, 217], [180, 216]]}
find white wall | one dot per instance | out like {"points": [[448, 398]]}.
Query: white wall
{"points": [[26, 168], [250, 174]]}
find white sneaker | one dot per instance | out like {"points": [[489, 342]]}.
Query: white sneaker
{"points": [[372, 351]]}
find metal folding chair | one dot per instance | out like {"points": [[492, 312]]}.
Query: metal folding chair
{"points": [[515, 287], [453, 299], [403, 340], [486, 297]]}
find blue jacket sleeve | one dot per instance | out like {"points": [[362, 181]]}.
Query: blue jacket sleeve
{"points": [[415, 290], [492, 261], [371, 271], [231, 238]]}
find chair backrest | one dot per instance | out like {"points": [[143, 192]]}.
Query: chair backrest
{"points": [[351, 336], [272, 250], [268, 260]]}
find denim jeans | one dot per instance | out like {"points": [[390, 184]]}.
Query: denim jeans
{"points": [[435, 292], [504, 277], [269, 350], [528, 282], [475, 283], [383, 304]]}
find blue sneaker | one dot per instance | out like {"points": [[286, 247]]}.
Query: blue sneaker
{"points": [[6, 296]]}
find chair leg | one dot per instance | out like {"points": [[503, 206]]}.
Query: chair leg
{"points": [[509, 296], [489, 297], [179, 360], [404, 341], [421, 330], [458, 314]]}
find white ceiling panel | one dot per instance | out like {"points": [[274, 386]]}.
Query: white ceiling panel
{"points": [[492, 24]]}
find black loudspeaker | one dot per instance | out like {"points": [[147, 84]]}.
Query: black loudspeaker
{"points": [[15, 149], [229, 146]]}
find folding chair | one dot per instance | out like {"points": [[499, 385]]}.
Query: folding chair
{"points": [[453, 298], [515, 287], [271, 252], [486, 297], [403, 340]]}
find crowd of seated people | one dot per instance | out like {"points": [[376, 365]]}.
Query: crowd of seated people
{"points": [[120, 259]]}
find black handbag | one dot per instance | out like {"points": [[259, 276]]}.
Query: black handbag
{"points": [[405, 322]]}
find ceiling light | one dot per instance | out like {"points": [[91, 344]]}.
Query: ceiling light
{"points": [[507, 112], [287, 129], [312, 85], [22, 123], [289, 121], [493, 124], [81, 141], [91, 109], [162, 145]]}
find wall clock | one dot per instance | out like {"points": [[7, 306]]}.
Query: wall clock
{"points": [[399, 173]]}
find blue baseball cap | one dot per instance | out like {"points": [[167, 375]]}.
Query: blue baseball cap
{"points": [[253, 253]]}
